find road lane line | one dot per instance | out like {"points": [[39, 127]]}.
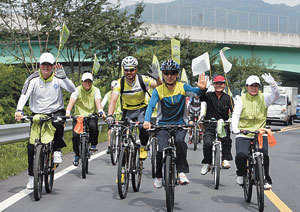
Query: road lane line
{"points": [[20, 195], [277, 202]]}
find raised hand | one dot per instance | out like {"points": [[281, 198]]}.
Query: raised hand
{"points": [[201, 81]]}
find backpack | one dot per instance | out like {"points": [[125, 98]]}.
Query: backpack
{"points": [[141, 81]]}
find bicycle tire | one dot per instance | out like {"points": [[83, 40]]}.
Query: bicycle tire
{"points": [[217, 166], [38, 166], [137, 168], [169, 182], [195, 139], [260, 183], [154, 142], [248, 182], [87, 156], [114, 147], [83, 156], [49, 171], [123, 168]]}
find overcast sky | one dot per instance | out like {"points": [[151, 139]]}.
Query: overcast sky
{"points": [[287, 2]]}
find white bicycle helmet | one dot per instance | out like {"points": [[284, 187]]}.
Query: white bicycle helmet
{"points": [[129, 62]]}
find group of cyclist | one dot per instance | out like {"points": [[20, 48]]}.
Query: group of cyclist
{"points": [[249, 112]]}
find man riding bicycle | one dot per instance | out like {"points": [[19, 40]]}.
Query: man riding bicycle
{"points": [[250, 113], [219, 105], [87, 100], [171, 96], [194, 111], [132, 88], [44, 88]]}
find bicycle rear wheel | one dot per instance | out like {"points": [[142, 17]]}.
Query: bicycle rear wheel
{"points": [[195, 138], [248, 182], [38, 167], [259, 176], [123, 172], [49, 171], [153, 143], [217, 166], [137, 168], [114, 147], [169, 182]]}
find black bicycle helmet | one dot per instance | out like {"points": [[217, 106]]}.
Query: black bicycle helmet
{"points": [[169, 65]]}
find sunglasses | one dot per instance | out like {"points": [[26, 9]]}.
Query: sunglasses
{"points": [[167, 73], [129, 70]]}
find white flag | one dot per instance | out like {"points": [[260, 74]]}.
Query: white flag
{"points": [[200, 64], [226, 64]]}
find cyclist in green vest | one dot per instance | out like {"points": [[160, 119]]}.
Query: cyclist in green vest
{"points": [[86, 99], [250, 113]]}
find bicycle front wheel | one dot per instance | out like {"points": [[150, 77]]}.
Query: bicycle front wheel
{"points": [[195, 138], [84, 156], [153, 143], [137, 168], [248, 182], [217, 166], [169, 182], [38, 167], [49, 171], [259, 176], [114, 147], [123, 173]]}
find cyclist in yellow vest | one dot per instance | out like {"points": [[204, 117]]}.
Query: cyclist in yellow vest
{"points": [[133, 97], [86, 99], [250, 113]]}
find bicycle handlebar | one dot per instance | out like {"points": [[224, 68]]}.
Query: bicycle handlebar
{"points": [[246, 132]]}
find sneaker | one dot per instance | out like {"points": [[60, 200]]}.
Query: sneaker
{"points": [[122, 179], [30, 183], [93, 148], [239, 180], [76, 160], [267, 186], [108, 150], [157, 183], [205, 169], [57, 157], [226, 164], [183, 179], [143, 153]]}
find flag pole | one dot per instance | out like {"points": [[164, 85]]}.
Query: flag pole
{"points": [[228, 89]]}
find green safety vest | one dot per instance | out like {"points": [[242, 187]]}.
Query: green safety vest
{"points": [[85, 102], [254, 112]]}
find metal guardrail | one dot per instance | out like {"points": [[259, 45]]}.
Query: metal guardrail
{"points": [[13, 133]]}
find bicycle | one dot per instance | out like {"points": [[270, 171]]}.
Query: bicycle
{"points": [[43, 165], [255, 171], [84, 150], [216, 153], [153, 142], [115, 142], [196, 131], [129, 160], [170, 175]]}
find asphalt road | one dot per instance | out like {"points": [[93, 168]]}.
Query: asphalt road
{"points": [[98, 192]]}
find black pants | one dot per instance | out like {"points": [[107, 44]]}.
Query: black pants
{"points": [[242, 147], [137, 115], [58, 141], [93, 135], [208, 138], [181, 151]]}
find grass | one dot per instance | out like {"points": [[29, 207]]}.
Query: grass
{"points": [[13, 157]]}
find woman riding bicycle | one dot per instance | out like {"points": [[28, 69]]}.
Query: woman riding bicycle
{"points": [[171, 97], [250, 113]]}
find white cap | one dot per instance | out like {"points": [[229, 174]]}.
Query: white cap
{"points": [[252, 80], [87, 76], [47, 58], [114, 84]]}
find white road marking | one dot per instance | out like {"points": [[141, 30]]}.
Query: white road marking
{"points": [[20, 195]]}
